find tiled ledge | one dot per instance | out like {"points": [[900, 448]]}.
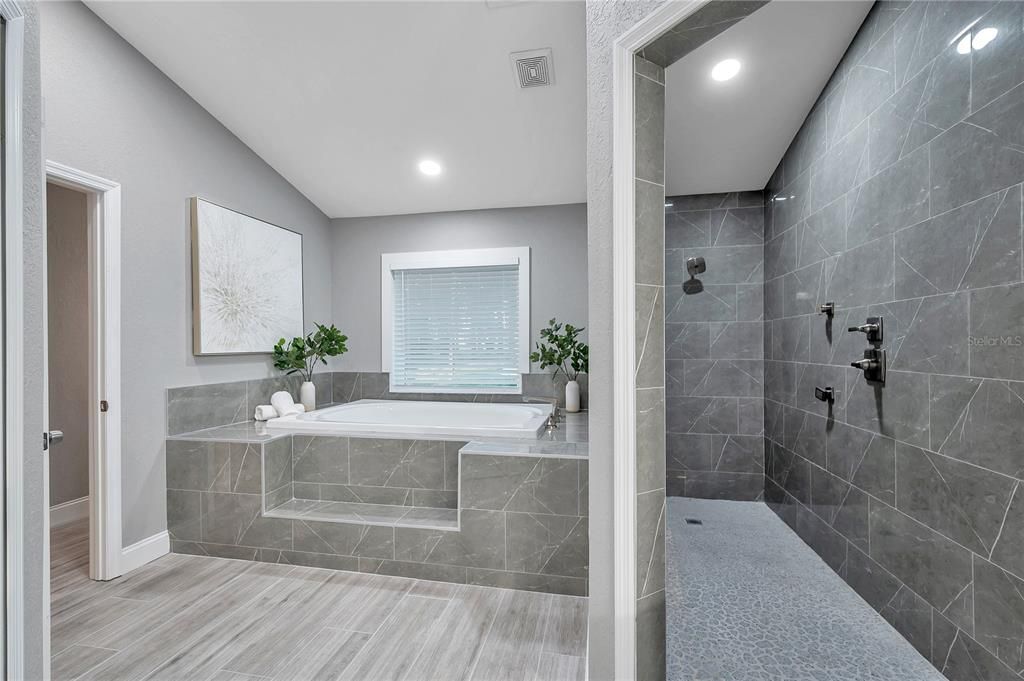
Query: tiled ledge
{"points": [[249, 432], [444, 519], [544, 449]]}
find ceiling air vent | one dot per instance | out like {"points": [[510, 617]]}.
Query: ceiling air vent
{"points": [[533, 68]]}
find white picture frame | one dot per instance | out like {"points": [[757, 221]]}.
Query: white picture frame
{"points": [[246, 282]]}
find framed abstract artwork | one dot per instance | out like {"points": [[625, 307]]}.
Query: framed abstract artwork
{"points": [[246, 282]]}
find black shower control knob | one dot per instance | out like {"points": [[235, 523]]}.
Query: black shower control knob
{"points": [[873, 365], [872, 328]]}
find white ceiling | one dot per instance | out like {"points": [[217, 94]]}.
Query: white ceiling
{"points": [[730, 136], [344, 98]]}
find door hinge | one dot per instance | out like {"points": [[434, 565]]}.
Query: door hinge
{"points": [[104, 406]]}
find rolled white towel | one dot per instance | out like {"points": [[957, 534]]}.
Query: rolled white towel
{"points": [[265, 412], [283, 405], [282, 402]]}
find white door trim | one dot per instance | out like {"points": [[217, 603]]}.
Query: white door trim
{"points": [[13, 640], [104, 201], [624, 310]]}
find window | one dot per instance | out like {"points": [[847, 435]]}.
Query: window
{"points": [[456, 321]]}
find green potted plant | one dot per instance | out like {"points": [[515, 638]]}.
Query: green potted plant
{"points": [[301, 355], [561, 348]]}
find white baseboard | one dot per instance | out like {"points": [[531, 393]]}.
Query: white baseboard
{"points": [[69, 512], [144, 551]]}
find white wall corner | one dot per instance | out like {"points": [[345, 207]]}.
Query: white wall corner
{"points": [[144, 551], [69, 511]]}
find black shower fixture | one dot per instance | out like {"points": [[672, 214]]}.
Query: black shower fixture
{"points": [[872, 328], [873, 365]]}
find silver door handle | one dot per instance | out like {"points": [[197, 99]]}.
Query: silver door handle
{"points": [[51, 438]]}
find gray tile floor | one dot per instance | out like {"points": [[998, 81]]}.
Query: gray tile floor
{"points": [[211, 619], [748, 600]]}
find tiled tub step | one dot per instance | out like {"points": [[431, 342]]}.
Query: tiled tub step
{"points": [[367, 514]]}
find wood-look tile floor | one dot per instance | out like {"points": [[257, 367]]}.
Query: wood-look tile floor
{"points": [[211, 619]]}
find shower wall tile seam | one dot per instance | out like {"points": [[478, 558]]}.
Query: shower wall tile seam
{"points": [[931, 216], [933, 610], [979, 377], [874, 433], [891, 507], [809, 171]]}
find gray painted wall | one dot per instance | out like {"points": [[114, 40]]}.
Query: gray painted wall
{"points": [[903, 199], [714, 347], [67, 246], [36, 588], [606, 21], [556, 235], [112, 113]]}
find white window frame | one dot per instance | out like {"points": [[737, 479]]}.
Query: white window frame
{"points": [[429, 260]]}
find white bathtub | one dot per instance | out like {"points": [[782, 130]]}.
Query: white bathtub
{"points": [[410, 418]]}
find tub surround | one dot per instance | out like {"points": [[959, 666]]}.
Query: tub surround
{"points": [[494, 512], [200, 407]]}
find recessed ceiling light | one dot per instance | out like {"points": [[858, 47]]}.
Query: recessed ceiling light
{"points": [[983, 37], [726, 69], [964, 46], [429, 167], [976, 40]]}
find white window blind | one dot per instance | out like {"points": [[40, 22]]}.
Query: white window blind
{"points": [[456, 329]]}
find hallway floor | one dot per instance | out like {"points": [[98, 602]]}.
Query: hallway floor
{"points": [[748, 600], [212, 619]]}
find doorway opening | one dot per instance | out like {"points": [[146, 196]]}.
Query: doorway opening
{"points": [[83, 377], [68, 313]]}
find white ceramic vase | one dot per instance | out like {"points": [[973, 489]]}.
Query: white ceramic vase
{"points": [[572, 397], [307, 395]]}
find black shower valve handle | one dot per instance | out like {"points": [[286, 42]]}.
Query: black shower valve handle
{"points": [[872, 328]]}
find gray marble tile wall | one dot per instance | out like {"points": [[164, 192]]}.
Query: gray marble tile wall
{"points": [[523, 520], [376, 471], [901, 197], [197, 407], [714, 346], [649, 184]]}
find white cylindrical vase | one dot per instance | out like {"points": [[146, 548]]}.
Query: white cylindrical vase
{"points": [[572, 397], [307, 395]]}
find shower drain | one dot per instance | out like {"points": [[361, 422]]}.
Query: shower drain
{"points": [[694, 521]]}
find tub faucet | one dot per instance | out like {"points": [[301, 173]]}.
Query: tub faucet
{"points": [[554, 415]]}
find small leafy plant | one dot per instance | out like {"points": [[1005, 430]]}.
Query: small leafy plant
{"points": [[560, 348], [301, 355]]}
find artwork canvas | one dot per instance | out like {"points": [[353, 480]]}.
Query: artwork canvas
{"points": [[246, 282]]}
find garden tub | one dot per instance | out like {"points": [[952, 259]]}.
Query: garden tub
{"points": [[410, 418]]}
